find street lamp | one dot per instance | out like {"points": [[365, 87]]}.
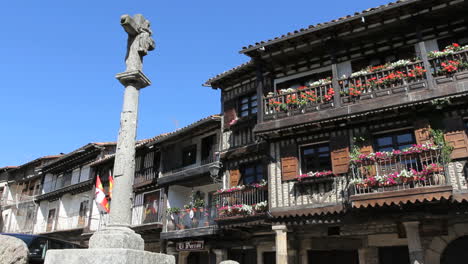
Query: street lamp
{"points": [[214, 172]]}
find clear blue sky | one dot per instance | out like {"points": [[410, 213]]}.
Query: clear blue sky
{"points": [[59, 59]]}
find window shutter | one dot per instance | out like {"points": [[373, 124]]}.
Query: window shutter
{"points": [[366, 149], [289, 162], [422, 131], [455, 136], [229, 112], [339, 154], [234, 177]]}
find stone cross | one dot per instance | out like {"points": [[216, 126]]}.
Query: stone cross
{"points": [[118, 243], [139, 40], [118, 234]]}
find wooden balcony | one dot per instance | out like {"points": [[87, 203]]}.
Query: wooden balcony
{"points": [[195, 222], [386, 178], [243, 203], [376, 88], [145, 176]]}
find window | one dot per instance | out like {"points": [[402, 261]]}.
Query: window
{"points": [[315, 158], [252, 173], [189, 155], [397, 140], [208, 149], [248, 105], [151, 202]]}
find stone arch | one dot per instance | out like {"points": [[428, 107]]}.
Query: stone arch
{"points": [[437, 245]]}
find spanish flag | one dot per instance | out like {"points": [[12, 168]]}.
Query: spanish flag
{"points": [[100, 196], [111, 183]]}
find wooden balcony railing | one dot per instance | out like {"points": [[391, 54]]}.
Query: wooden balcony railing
{"points": [[242, 202], [449, 64], [394, 171], [377, 82], [373, 82], [191, 218], [145, 175]]}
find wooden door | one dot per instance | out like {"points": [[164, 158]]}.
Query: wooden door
{"points": [[50, 220], [82, 213]]}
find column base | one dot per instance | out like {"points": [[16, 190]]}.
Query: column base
{"points": [[106, 256], [117, 237]]}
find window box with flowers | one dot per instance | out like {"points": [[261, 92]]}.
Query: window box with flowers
{"points": [[315, 177], [308, 97], [366, 82]]}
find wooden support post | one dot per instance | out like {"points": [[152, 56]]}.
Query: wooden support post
{"points": [[424, 58], [260, 83], [335, 85], [334, 66]]}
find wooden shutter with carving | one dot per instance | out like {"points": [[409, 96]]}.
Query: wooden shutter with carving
{"points": [[422, 131], [230, 113], [455, 136], [339, 154], [289, 162], [234, 177]]}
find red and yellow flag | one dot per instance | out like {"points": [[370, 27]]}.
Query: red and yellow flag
{"points": [[100, 196], [111, 183]]}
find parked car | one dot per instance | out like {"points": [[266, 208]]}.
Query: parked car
{"points": [[38, 245]]}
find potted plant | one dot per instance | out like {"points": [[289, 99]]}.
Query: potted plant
{"points": [[173, 213]]}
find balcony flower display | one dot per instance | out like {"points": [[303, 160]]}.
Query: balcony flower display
{"points": [[314, 175], [260, 207], [385, 155], [387, 66], [235, 210], [449, 66], [320, 82], [450, 49], [261, 184], [402, 177]]}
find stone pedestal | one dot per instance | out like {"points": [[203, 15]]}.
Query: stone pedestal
{"points": [[106, 256], [416, 253], [281, 244]]}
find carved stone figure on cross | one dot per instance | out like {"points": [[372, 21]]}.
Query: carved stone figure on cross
{"points": [[139, 40]]}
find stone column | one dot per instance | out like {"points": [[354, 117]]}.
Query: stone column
{"points": [[183, 257], [416, 253], [118, 233], [221, 254], [368, 255], [281, 244]]}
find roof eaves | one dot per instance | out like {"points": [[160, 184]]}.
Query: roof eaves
{"points": [[185, 129], [321, 26], [222, 75]]}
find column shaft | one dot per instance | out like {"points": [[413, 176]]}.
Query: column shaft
{"points": [[414, 243], [281, 244], [124, 166]]}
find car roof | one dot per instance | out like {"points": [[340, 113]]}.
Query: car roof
{"points": [[36, 236]]}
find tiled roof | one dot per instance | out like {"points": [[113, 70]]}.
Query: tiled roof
{"points": [[228, 72], [186, 128], [321, 26], [302, 31], [95, 144]]}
